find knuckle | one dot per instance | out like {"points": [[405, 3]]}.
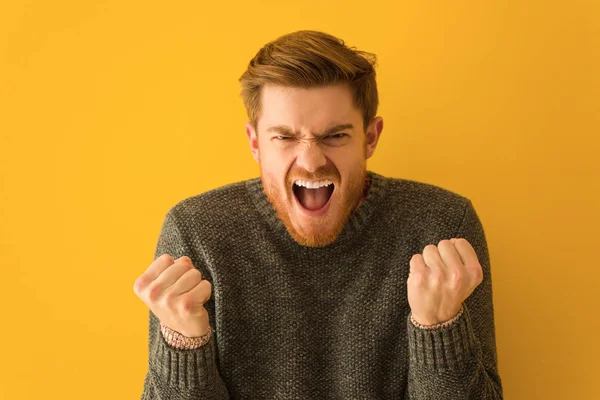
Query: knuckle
{"points": [[430, 248], [435, 279], [455, 280], [195, 273], [185, 260], [185, 304], [164, 259], [208, 286], [457, 274], [168, 298], [186, 263], [154, 292], [166, 302], [204, 291], [139, 284], [478, 274]]}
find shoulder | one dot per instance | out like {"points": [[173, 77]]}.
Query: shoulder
{"points": [[431, 207], [220, 204], [423, 194]]}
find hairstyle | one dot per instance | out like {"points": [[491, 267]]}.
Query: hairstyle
{"points": [[308, 59]]}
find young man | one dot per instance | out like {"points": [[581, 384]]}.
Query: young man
{"points": [[320, 279]]}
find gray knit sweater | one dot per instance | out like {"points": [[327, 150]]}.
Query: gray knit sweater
{"points": [[333, 322]]}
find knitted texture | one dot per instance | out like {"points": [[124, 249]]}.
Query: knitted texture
{"points": [[332, 322]]}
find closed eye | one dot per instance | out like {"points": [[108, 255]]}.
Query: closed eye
{"points": [[337, 135]]}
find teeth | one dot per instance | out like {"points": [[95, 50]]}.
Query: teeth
{"points": [[313, 184]]}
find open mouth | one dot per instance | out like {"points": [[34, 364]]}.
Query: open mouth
{"points": [[313, 196]]}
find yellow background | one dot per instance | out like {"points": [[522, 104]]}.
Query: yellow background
{"points": [[113, 111]]}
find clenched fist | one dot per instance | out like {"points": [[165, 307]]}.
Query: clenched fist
{"points": [[175, 292], [441, 279]]}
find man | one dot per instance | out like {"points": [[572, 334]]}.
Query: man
{"points": [[320, 279]]}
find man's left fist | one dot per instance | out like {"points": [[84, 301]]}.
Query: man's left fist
{"points": [[441, 279]]}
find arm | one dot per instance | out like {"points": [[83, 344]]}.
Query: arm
{"points": [[458, 360], [177, 373]]}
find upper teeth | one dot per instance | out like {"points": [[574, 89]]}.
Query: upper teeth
{"points": [[313, 184]]}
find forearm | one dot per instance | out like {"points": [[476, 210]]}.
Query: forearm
{"points": [[459, 361], [181, 373], [449, 363]]}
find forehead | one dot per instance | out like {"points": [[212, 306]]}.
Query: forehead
{"points": [[301, 108]]}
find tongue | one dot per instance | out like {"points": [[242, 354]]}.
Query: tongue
{"points": [[313, 199]]}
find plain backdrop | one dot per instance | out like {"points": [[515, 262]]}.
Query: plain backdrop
{"points": [[113, 111]]}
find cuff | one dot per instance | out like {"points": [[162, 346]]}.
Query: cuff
{"points": [[179, 341], [185, 368], [445, 346], [441, 324]]}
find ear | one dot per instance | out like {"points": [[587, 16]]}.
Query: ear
{"points": [[253, 139], [372, 135]]}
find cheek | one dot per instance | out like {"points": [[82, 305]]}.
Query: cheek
{"points": [[345, 160], [270, 158], [276, 167]]}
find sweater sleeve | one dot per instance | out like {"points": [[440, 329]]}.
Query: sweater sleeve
{"points": [[459, 361], [174, 373]]}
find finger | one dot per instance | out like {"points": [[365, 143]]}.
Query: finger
{"points": [[418, 269], [449, 254], [159, 265], [153, 271], [171, 274], [201, 293], [466, 252], [453, 241], [455, 267], [186, 282], [417, 263], [432, 258]]}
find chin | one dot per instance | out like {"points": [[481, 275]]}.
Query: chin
{"points": [[316, 228], [314, 234], [312, 229]]}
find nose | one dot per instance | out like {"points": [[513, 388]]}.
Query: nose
{"points": [[311, 157]]}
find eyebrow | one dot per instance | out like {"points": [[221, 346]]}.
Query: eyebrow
{"points": [[285, 130]]}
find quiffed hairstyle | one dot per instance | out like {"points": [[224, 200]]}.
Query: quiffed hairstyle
{"points": [[307, 59]]}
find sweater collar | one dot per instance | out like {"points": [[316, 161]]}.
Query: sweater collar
{"points": [[356, 222]]}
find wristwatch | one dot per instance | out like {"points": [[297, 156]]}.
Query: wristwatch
{"points": [[179, 341]]}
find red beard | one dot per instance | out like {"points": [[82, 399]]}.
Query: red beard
{"points": [[326, 229]]}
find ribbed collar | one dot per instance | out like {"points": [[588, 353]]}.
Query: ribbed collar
{"points": [[354, 225]]}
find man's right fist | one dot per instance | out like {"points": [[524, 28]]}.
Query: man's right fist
{"points": [[175, 292]]}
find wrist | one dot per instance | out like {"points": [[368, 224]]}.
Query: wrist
{"points": [[179, 341], [434, 325]]}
